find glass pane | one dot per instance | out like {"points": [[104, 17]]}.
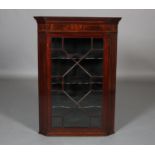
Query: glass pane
{"points": [[56, 43], [60, 66], [98, 43], [60, 101], [76, 118], [58, 54], [94, 67], [95, 54], [96, 121], [77, 75], [57, 122], [77, 91], [77, 47], [77, 82]]}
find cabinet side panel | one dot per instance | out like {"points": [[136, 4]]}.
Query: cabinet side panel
{"points": [[112, 79], [42, 81]]}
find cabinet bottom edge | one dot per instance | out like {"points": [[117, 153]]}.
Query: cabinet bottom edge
{"points": [[76, 133]]}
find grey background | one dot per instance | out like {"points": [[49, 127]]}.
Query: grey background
{"points": [[135, 101]]}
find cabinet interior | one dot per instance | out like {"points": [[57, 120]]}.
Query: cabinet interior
{"points": [[77, 82]]}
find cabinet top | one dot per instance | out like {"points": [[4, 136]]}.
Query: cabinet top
{"points": [[52, 19]]}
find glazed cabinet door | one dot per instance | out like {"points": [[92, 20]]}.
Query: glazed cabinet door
{"points": [[77, 84]]}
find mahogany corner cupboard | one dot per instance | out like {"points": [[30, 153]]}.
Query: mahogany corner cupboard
{"points": [[77, 75]]}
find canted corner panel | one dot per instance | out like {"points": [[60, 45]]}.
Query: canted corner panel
{"points": [[59, 27]]}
